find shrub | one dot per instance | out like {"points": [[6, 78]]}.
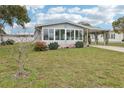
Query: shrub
{"points": [[40, 46], [79, 44], [3, 43], [53, 46], [10, 42], [122, 40]]}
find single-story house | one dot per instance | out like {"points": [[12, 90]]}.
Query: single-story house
{"points": [[66, 32]]}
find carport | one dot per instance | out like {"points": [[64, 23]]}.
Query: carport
{"points": [[95, 31]]}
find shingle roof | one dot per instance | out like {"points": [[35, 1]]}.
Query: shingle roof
{"points": [[66, 21]]}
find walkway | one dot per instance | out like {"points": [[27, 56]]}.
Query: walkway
{"points": [[114, 48]]}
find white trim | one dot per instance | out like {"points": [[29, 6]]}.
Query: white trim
{"points": [[54, 35], [82, 34], [87, 38], [42, 34], [74, 35], [65, 34]]}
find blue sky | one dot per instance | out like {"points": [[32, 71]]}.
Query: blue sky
{"points": [[96, 15]]}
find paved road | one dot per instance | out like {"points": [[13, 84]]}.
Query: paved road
{"points": [[114, 48]]}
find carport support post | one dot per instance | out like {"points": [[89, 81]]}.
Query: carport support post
{"points": [[107, 37], [104, 38], [87, 39], [96, 38]]}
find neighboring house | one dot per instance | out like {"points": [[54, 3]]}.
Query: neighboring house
{"points": [[64, 32], [116, 37], [113, 37], [19, 38]]}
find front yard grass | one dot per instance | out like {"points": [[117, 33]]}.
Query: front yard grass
{"points": [[76, 67]]}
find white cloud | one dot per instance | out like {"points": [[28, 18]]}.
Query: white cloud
{"points": [[95, 16], [41, 17], [34, 8], [37, 6], [31, 24], [57, 10], [44, 18], [27, 25], [74, 10], [83, 11], [15, 25], [91, 11], [99, 13]]}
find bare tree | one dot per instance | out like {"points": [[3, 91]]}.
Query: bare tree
{"points": [[20, 52], [10, 14]]}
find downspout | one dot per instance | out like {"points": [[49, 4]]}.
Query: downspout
{"points": [[87, 39]]}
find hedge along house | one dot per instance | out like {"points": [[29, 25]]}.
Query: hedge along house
{"points": [[66, 33]]}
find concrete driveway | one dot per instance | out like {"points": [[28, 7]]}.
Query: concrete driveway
{"points": [[113, 48]]}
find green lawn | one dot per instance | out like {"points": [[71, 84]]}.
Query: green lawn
{"points": [[83, 67]]}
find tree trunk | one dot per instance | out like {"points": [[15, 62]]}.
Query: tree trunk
{"points": [[1, 37], [20, 62]]}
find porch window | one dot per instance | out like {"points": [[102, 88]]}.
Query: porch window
{"points": [[51, 34], [70, 34], [78, 34], [60, 34], [57, 34], [45, 34]]}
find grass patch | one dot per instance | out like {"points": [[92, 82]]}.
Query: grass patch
{"points": [[76, 67]]}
